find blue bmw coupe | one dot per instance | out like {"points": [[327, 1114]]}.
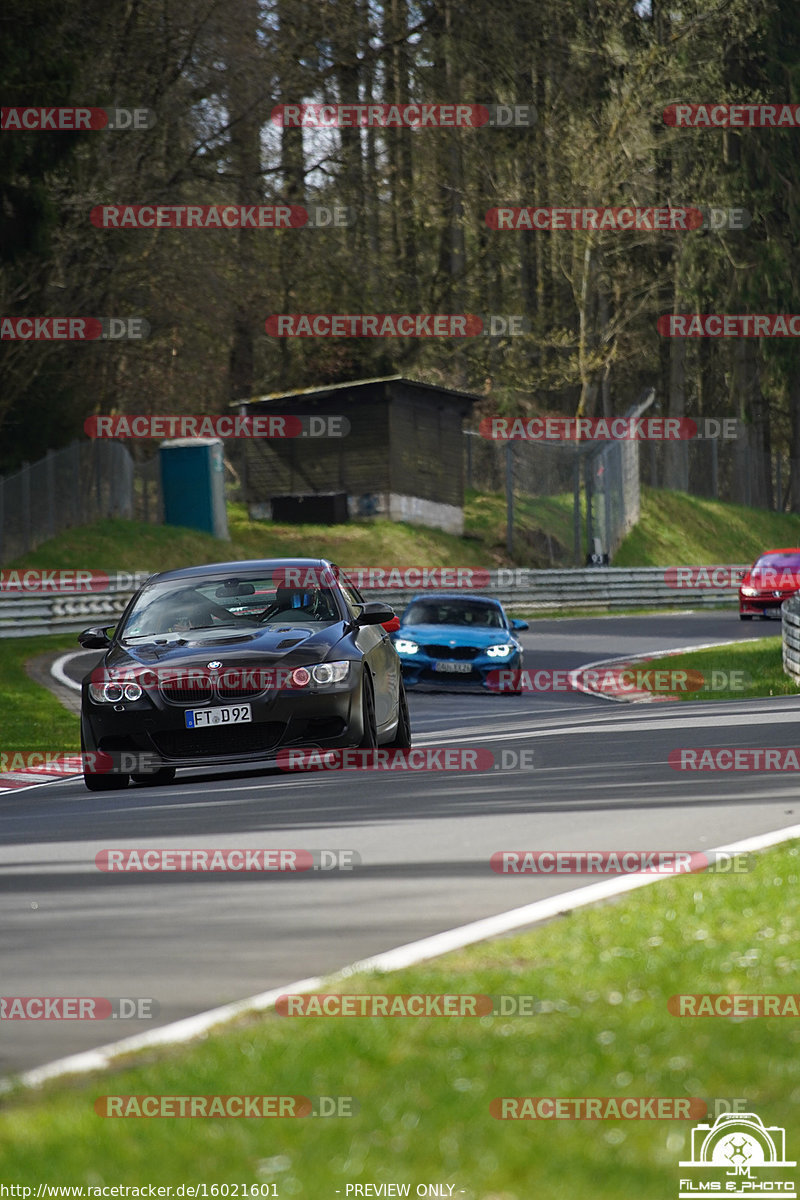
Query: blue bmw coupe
{"points": [[449, 640]]}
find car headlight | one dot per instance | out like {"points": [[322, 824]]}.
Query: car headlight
{"points": [[328, 672], [749, 591], [500, 651], [405, 646], [113, 693]]}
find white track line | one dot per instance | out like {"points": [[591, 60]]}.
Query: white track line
{"points": [[390, 960], [59, 674], [574, 676]]}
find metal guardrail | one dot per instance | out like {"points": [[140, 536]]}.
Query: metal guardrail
{"points": [[521, 589], [790, 636]]}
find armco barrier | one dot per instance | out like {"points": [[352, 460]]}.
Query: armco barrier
{"points": [[790, 633], [519, 588]]}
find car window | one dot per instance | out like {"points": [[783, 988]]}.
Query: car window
{"points": [[353, 598], [463, 613], [248, 603], [778, 562]]}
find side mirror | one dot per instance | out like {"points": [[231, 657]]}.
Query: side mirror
{"points": [[515, 624], [95, 638], [375, 612]]}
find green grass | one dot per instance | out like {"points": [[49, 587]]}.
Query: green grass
{"points": [[752, 669], [679, 530], [134, 546], [674, 530], [601, 977], [31, 718]]}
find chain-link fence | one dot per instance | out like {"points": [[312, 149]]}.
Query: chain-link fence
{"points": [[77, 485], [737, 469], [566, 503]]}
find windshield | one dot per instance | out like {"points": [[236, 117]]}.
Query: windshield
{"points": [[242, 604], [454, 612], [778, 562]]}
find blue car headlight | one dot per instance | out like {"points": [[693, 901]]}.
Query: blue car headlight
{"points": [[501, 651], [406, 646]]}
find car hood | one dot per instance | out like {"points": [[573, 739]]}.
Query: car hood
{"points": [[462, 635], [294, 645]]}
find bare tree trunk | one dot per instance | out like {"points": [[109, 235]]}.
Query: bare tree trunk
{"points": [[794, 442], [243, 91], [401, 163]]}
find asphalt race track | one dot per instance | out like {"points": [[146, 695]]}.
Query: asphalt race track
{"points": [[600, 780]]}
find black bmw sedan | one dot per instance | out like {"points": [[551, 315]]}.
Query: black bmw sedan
{"points": [[234, 663]]}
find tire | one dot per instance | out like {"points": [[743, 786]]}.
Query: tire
{"points": [[154, 778], [104, 781], [745, 616], [402, 736], [369, 738]]}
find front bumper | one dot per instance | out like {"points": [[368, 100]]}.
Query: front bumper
{"points": [[156, 730], [765, 605], [421, 670]]}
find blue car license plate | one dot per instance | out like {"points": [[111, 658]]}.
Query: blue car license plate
{"points": [[453, 668]]}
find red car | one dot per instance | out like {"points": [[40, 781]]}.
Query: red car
{"points": [[773, 578]]}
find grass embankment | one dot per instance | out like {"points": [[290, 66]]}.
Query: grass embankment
{"points": [[742, 672], [135, 546], [31, 718], [601, 978], [675, 529]]}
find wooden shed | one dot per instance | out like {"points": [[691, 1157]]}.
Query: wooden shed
{"points": [[402, 456]]}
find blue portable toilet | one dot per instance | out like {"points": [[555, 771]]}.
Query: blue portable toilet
{"points": [[193, 484]]}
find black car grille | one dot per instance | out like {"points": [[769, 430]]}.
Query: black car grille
{"points": [[215, 743], [446, 679], [460, 652], [201, 692], [175, 693]]}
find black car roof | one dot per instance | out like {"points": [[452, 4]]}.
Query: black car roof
{"points": [[229, 568]]}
